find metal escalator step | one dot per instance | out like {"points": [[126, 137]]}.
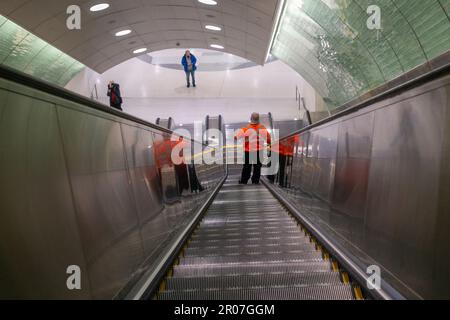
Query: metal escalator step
{"points": [[250, 216], [250, 219], [253, 234], [254, 268], [246, 202], [335, 292], [247, 241], [237, 249], [269, 252], [257, 258], [247, 211], [257, 219], [210, 221], [223, 223], [240, 228], [254, 281]]}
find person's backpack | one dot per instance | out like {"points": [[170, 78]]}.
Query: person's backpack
{"points": [[115, 98]]}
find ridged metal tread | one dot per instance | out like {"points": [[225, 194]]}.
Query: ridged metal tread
{"points": [[261, 219], [240, 228], [248, 247], [255, 281], [304, 252], [265, 248], [334, 292], [223, 223], [258, 258], [255, 268], [236, 210], [250, 234], [245, 241]]}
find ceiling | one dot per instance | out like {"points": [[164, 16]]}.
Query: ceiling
{"points": [[247, 27]]}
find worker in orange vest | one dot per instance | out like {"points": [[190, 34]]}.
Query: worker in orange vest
{"points": [[255, 136]]}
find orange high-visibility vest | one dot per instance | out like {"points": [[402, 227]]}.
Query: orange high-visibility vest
{"points": [[286, 146], [255, 135]]}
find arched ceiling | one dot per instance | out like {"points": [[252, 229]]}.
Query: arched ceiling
{"points": [[329, 43], [247, 27]]}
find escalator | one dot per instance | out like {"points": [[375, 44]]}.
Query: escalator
{"points": [[249, 247]]}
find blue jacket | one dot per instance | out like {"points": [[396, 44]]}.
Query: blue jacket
{"points": [[185, 65]]}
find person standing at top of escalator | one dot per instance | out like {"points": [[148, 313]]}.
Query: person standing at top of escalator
{"points": [[115, 98], [255, 137], [189, 62]]}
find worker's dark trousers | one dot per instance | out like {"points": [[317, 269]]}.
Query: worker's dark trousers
{"points": [[251, 160], [282, 171]]}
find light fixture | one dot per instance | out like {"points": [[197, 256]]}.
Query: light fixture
{"points": [[217, 46], [208, 2], [295, 119], [140, 50], [99, 7], [213, 28], [276, 28], [123, 33]]}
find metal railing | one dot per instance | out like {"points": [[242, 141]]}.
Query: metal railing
{"points": [[302, 106]]}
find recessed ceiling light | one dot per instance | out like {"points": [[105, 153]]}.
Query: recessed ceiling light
{"points": [[208, 2], [99, 7], [140, 50], [123, 33], [213, 28], [217, 46]]}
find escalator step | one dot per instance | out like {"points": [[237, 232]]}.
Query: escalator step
{"points": [[335, 292], [258, 258], [252, 234], [240, 228], [247, 247], [255, 268], [237, 249], [255, 281], [246, 241]]}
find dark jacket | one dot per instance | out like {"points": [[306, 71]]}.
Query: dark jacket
{"points": [[115, 98], [185, 64]]}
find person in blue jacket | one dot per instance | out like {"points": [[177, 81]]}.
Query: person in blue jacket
{"points": [[189, 62]]}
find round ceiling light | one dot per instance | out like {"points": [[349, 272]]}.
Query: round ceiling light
{"points": [[123, 33], [213, 28], [208, 2], [140, 50], [99, 7], [217, 46]]}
